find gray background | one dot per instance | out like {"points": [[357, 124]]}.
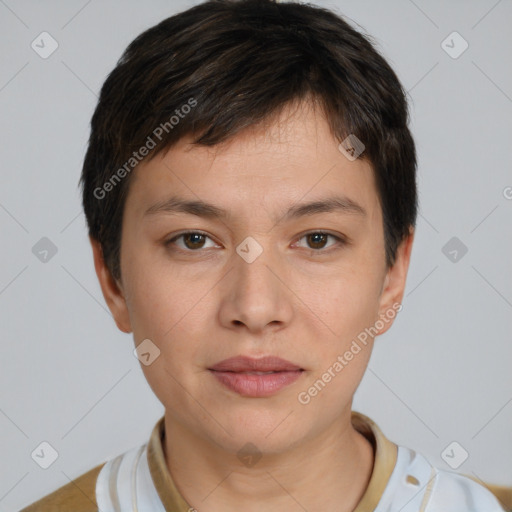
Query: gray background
{"points": [[441, 374]]}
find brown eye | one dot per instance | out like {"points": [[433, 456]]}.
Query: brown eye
{"points": [[192, 241], [317, 240]]}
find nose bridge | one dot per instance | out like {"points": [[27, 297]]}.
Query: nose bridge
{"points": [[256, 297], [253, 261]]}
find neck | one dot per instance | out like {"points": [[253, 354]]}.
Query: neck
{"points": [[330, 472]]}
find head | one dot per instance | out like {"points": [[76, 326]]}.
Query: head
{"points": [[224, 121]]}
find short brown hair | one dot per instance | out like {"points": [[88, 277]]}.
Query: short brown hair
{"points": [[225, 65]]}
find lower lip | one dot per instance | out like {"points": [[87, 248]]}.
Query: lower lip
{"points": [[257, 385]]}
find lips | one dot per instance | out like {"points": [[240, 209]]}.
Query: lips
{"points": [[256, 377], [243, 364]]}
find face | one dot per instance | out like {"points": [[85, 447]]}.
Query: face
{"points": [[250, 272]]}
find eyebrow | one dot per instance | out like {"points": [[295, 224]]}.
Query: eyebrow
{"points": [[174, 205]]}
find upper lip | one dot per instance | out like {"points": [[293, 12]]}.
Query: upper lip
{"points": [[250, 364]]}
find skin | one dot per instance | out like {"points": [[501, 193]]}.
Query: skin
{"points": [[303, 299]]}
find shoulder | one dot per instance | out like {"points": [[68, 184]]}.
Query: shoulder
{"points": [[417, 485], [78, 495], [454, 491]]}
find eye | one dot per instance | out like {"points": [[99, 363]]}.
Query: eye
{"points": [[192, 241], [317, 240]]}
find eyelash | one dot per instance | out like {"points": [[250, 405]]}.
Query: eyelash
{"points": [[341, 241]]}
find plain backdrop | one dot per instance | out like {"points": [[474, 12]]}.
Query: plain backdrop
{"points": [[442, 374]]}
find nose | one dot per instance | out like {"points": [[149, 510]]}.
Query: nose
{"points": [[257, 296]]}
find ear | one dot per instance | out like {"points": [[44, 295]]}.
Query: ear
{"points": [[112, 291], [394, 283]]}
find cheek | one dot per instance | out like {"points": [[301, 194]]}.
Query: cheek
{"points": [[159, 298], [168, 320], [344, 301], [174, 313], [347, 307], [343, 348]]}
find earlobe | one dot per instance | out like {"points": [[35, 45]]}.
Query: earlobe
{"points": [[394, 282], [112, 292]]}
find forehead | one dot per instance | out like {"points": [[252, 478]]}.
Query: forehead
{"points": [[290, 159]]}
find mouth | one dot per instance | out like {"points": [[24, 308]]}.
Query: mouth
{"points": [[244, 364], [258, 373], [255, 378]]}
